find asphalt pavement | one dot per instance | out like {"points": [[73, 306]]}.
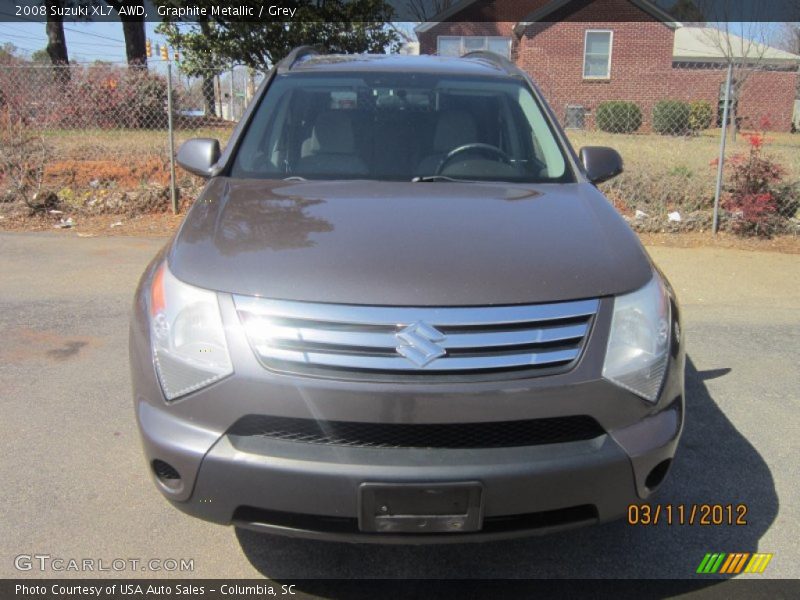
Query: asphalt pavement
{"points": [[75, 484]]}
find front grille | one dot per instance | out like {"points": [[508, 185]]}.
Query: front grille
{"points": [[404, 342], [248, 515], [497, 434]]}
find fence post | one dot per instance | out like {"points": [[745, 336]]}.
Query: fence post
{"points": [[230, 99], [218, 92], [173, 189], [722, 140]]}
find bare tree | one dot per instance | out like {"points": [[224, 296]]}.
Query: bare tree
{"points": [[788, 38], [746, 50]]}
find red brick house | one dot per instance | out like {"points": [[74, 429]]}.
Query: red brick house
{"points": [[583, 52]]}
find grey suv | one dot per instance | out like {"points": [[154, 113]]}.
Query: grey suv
{"points": [[401, 311]]}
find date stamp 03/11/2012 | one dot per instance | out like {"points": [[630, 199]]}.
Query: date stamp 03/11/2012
{"points": [[688, 514]]}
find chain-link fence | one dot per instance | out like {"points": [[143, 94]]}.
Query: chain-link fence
{"points": [[96, 138], [668, 126]]}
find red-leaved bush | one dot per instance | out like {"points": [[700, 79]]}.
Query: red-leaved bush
{"points": [[100, 95], [752, 193], [110, 97]]}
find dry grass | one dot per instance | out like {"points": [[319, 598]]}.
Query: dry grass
{"points": [[108, 144], [665, 174], [689, 154]]}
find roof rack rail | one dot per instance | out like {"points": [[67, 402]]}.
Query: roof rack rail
{"points": [[496, 59], [296, 55]]}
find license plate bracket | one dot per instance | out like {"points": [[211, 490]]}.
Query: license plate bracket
{"points": [[420, 507]]}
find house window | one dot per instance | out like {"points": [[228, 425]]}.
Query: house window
{"points": [[451, 45], [597, 54]]}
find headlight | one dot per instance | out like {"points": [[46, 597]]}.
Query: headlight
{"points": [[188, 339], [638, 346]]}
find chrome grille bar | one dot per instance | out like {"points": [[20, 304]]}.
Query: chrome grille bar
{"points": [[441, 317], [390, 363], [371, 339], [403, 340]]}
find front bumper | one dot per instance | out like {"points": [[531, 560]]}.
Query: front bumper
{"points": [[313, 490]]}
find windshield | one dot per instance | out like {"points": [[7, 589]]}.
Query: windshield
{"points": [[397, 126]]}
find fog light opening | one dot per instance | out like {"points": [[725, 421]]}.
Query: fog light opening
{"points": [[656, 476], [167, 474]]}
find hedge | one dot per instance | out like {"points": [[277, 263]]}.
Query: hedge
{"points": [[618, 116], [671, 117], [700, 115]]}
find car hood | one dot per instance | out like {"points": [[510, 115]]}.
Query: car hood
{"points": [[413, 244]]}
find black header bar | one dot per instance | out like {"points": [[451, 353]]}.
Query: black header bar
{"points": [[691, 11]]}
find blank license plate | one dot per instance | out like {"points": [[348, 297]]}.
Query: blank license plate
{"points": [[421, 508]]}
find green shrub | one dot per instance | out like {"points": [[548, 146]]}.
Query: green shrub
{"points": [[671, 117], [618, 116], [700, 115]]}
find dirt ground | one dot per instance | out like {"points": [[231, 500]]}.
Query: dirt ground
{"points": [[165, 224], [788, 244], [80, 174], [157, 224], [75, 483]]}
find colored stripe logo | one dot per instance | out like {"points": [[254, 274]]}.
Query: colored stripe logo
{"points": [[733, 563]]}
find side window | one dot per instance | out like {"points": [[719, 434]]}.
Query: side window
{"points": [[543, 141], [597, 54], [262, 150]]}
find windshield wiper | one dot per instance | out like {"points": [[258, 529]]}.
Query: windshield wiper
{"points": [[427, 178]]}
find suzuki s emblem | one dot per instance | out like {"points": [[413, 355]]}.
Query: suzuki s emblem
{"points": [[418, 343]]}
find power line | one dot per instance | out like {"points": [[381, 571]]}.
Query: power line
{"points": [[78, 31], [92, 45], [44, 41], [24, 50], [20, 37], [97, 35], [14, 28], [116, 41]]}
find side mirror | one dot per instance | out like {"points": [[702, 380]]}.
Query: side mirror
{"points": [[199, 156], [601, 163]]}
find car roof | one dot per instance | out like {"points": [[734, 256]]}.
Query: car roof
{"points": [[400, 63]]}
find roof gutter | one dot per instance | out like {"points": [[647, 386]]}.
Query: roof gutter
{"points": [[540, 14]]}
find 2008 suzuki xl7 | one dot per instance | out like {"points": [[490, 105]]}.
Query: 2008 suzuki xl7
{"points": [[402, 311]]}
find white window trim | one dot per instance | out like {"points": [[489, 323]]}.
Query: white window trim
{"points": [[610, 52], [461, 38]]}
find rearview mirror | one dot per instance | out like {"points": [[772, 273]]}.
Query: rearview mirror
{"points": [[600, 163], [199, 156]]}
